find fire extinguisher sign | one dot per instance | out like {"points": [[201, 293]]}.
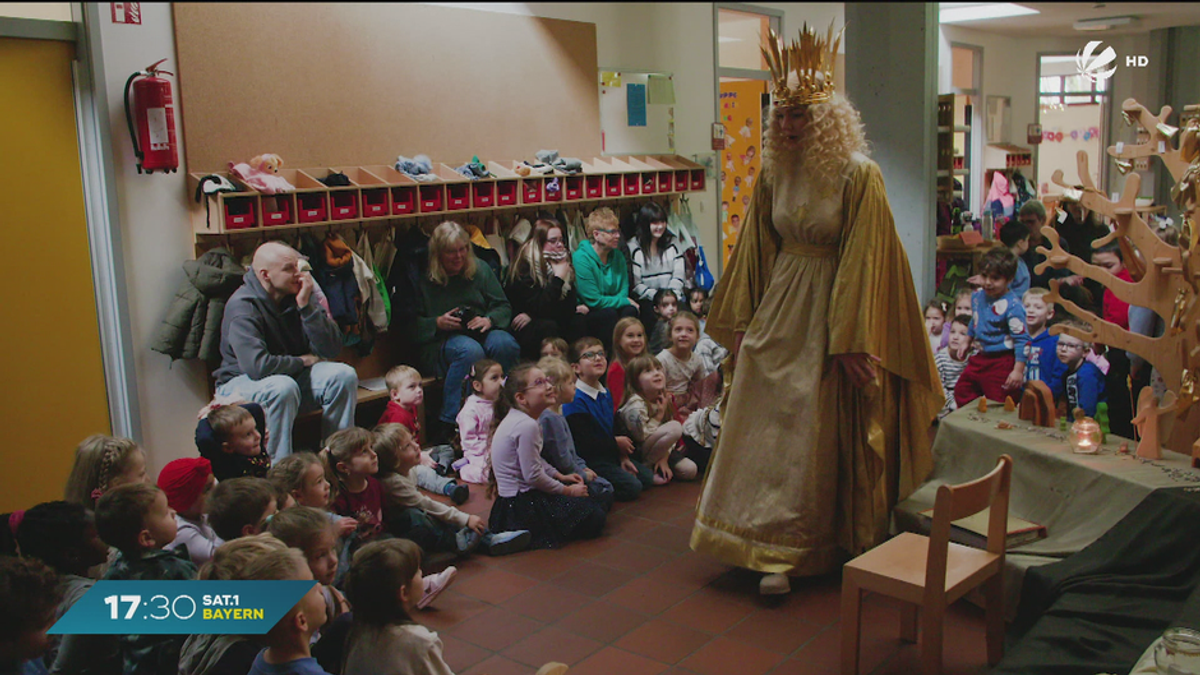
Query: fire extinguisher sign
{"points": [[127, 12]]}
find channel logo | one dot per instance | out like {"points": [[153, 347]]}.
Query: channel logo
{"points": [[1096, 67]]}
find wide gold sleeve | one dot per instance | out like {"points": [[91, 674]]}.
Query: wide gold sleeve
{"points": [[873, 308], [744, 281]]}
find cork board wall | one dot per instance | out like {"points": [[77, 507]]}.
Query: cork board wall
{"points": [[355, 84]]}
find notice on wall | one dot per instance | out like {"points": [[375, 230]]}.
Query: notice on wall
{"points": [[635, 96], [741, 115], [127, 12]]}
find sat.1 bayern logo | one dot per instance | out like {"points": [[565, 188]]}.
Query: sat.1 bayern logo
{"points": [[1095, 67]]}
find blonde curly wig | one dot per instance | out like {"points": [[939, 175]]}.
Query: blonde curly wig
{"points": [[834, 132]]}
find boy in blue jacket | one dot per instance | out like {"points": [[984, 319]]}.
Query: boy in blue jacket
{"points": [[1041, 356], [1083, 383], [998, 327]]}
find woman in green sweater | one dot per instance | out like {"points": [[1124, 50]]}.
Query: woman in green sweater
{"points": [[462, 315], [602, 276]]}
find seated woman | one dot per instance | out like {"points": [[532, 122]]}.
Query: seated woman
{"points": [[541, 287], [602, 277], [657, 261], [462, 314]]}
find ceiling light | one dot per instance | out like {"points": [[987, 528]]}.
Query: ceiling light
{"points": [[959, 12], [1105, 24]]}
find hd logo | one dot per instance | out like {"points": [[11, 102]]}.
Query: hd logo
{"points": [[1096, 67]]}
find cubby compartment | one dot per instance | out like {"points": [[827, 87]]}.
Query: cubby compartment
{"points": [[666, 181], [649, 183], [682, 180], [697, 179], [239, 212], [554, 188], [506, 192], [276, 210], [311, 207], [575, 189], [404, 200], [375, 202], [531, 190], [432, 197], [483, 194], [343, 204], [614, 185], [631, 183], [594, 186], [458, 187]]}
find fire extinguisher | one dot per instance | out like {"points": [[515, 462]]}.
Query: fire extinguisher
{"points": [[154, 139]]}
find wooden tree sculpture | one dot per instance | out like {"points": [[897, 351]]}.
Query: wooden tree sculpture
{"points": [[1168, 285]]}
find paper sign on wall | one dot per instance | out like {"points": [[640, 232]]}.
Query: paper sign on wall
{"points": [[635, 95], [610, 79], [127, 12]]}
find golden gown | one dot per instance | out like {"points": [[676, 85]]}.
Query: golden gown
{"points": [[807, 467]]}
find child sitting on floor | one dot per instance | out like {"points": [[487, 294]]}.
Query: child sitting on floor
{"points": [[63, 535], [136, 520], [309, 530], [404, 387], [649, 416], [554, 346], [666, 306], [629, 340], [531, 494], [434, 526], [101, 464], [350, 459], [239, 507], [590, 415], [558, 446], [233, 437], [998, 326], [29, 594], [684, 370], [481, 389], [1083, 383], [187, 483], [302, 475], [289, 650]]}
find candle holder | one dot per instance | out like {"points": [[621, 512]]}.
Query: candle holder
{"points": [[1085, 434]]}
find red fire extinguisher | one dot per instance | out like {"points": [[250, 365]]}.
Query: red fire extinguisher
{"points": [[154, 139]]}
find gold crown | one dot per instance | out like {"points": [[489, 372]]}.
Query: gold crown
{"points": [[812, 59]]}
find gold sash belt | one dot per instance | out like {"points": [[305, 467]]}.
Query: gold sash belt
{"points": [[812, 250]]}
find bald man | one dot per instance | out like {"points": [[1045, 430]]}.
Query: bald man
{"points": [[274, 340]]}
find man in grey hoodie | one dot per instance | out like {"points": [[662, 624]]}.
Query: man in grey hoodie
{"points": [[274, 342]]}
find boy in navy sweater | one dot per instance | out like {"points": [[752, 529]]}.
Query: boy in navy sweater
{"points": [[998, 327], [1041, 355], [1083, 383], [591, 420]]}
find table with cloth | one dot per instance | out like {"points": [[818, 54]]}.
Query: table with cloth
{"points": [[1119, 563]]}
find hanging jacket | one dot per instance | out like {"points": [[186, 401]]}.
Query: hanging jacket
{"points": [[192, 327], [404, 278], [336, 277]]}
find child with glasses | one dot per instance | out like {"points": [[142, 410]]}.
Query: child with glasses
{"points": [[1083, 383], [530, 494]]}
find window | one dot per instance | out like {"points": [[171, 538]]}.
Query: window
{"points": [[1062, 90]]}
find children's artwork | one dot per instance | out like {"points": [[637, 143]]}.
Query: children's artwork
{"points": [[741, 113]]}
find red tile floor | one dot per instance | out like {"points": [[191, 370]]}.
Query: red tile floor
{"points": [[638, 601]]}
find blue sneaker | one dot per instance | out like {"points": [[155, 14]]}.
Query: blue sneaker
{"points": [[503, 543], [466, 540]]}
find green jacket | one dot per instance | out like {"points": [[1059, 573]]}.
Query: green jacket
{"points": [[601, 285], [192, 327], [482, 295]]}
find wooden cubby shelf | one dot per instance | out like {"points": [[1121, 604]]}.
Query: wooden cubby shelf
{"points": [[381, 193]]}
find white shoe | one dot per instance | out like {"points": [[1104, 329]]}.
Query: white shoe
{"points": [[435, 584], [774, 584]]}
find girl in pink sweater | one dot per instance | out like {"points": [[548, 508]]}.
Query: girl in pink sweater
{"points": [[475, 419]]}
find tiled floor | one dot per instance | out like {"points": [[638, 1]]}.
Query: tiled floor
{"points": [[638, 601]]}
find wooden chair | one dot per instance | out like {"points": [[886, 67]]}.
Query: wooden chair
{"points": [[931, 573]]}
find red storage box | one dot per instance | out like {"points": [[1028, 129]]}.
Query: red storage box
{"points": [[594, 186], [343, 205], [697, 179], [682, 180], [276, 210], [531, 191], [574, 187], [458, 196], [311, 207], [404, 200], [665, 181], [554, 189], [506, 192], [239, 213], [431, 198], [631, 183], [483, 194], [613, 185], [649, 184], [375, 202]]}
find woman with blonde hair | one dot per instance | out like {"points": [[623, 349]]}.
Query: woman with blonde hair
{"points": [[541, 287], [834, 386], [602, 276], [462, 317]]}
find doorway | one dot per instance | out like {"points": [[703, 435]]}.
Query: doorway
{"points": [[1072, 110]]}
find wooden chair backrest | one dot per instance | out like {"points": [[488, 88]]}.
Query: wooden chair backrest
{"points": [[959, 501]]}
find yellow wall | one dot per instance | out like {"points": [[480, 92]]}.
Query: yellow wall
{"points": [[52, 392]]}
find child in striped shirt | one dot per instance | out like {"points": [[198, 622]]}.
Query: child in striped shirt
{"points": [[948, 366]]}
